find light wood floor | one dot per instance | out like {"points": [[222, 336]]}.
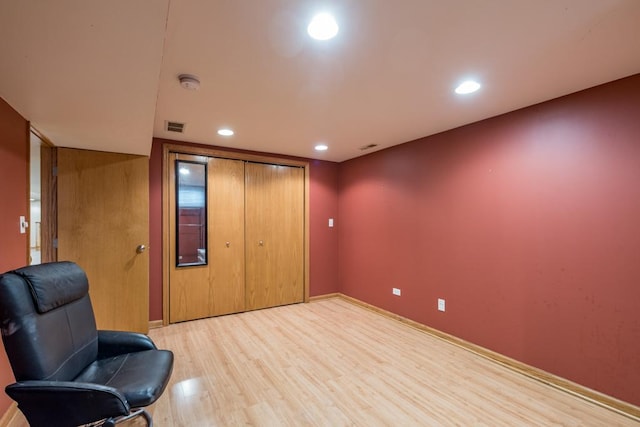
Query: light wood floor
{"points": [[332, 363]]}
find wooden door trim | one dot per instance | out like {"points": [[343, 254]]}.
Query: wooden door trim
{"points": [[28, 213], [48, 203], [48, 196], [224, 154]]}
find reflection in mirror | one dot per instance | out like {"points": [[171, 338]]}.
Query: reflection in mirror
{"points": [[191, 213]]}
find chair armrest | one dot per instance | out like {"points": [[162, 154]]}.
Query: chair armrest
{"points": [[114, 343], [66, 402]]}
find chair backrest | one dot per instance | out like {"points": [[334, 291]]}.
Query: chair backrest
{"points": [[47, 321]]}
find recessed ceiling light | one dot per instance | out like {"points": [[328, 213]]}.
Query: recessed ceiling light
{"points": [[225, 132], [468, 86], [321, 147], [323, 26]]}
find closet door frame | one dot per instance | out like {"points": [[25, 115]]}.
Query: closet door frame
{"points": [[215, 152]]}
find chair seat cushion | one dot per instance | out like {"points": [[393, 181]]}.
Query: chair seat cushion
{"points": [[141, 376]]}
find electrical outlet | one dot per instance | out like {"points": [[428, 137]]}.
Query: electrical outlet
{"points": [[396, 292], [441, 305]]}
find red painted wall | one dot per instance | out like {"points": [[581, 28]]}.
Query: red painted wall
{"points": [[323, 241], [528, 224], [14, 169]]}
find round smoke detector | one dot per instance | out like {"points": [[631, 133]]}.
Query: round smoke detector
{"points": [[189, 81]]}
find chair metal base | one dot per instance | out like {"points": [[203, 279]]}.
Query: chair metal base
{"points": [[111, 422]]}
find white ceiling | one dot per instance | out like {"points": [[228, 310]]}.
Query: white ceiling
{"points": [[103, 74]]}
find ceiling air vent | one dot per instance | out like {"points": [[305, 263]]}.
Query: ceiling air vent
{"points": [[368, 147], [175, 127]]}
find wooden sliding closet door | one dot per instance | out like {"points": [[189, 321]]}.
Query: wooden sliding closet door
{"points": [[253, 254], [274, 226], [226, 236], [215, 287], [189, 289]]}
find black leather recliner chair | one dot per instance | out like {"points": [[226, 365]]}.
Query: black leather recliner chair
{"points": [[67, 372]]}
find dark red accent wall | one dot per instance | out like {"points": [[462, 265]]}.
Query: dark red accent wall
{"points": [[527, 224], [323, 241], [14, 167]]}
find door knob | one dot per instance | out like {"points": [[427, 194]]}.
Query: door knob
{"points": [[141, 248], [228, 244], [261, 243]]}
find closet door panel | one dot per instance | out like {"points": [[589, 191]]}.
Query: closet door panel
{"points": [[274, 226], [226, 236], [188, 285]]}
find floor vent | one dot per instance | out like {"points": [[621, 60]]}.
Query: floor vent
{"points": [[175, 127], [368, 147]]}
